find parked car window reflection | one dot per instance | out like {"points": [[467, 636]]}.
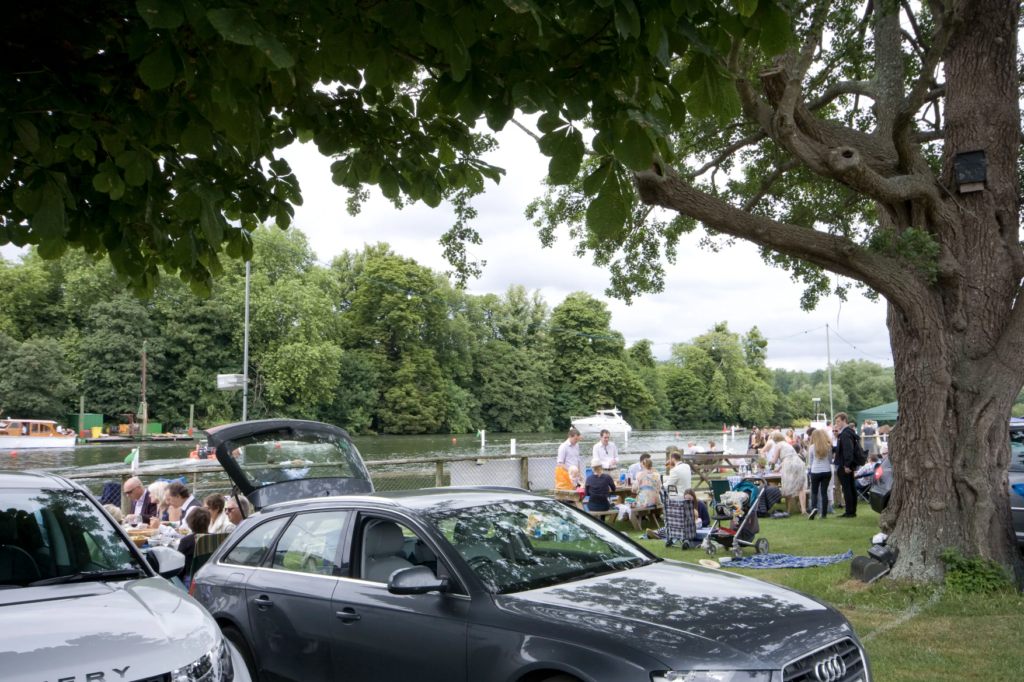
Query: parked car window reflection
{"points": [[1017, 449], [252, 548], [517, 546], [46, 534], [266, 459], [310, 544]]}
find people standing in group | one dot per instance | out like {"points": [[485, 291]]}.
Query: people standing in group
{"points": [[606, 452], [752, 441], [569, 452], [681, 475], [867, 433], [598, 487], [790, 436], [647, 485], [794, 476], [846, 449], [820, 455]]}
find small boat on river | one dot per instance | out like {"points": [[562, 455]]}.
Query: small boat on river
{"points": [[24, 434], [604, 419]]}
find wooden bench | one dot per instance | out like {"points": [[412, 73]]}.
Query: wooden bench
{"points": [[651, 514]]}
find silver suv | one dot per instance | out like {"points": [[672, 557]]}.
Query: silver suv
{"points": [[78, 600]]}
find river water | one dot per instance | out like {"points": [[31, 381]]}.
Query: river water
{"points": [[373, 448]]}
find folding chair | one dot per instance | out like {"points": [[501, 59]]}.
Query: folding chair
{"points": [[865, 493], [206, 545]]}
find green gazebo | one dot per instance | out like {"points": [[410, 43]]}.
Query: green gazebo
{"points": [[882, 413]]}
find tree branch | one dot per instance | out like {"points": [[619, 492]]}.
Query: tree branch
{"points": [[837, 254], [767, 183], [727, 152], [526, 130], [794, 88], [842, 88]]}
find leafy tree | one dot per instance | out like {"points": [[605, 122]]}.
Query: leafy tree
{"points": [[357, 394], [111, 356], [687, 396], [34, 379], [414, 396], [509, 383]]}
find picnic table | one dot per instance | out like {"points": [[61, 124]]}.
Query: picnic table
{"points": [[637, 514], [706, 463]]}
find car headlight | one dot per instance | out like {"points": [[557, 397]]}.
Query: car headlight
{"points": [[213, 666], [712, 676]]}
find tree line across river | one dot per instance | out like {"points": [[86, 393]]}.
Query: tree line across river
{"points": [[375, 342]]}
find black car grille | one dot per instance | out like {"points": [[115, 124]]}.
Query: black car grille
{"points": [[158, 678], [839, 662]]}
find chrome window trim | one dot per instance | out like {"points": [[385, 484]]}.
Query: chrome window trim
{"points": [[860, 650], [384, 586]]}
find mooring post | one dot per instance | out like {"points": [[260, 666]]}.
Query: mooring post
{"points": [[524, 472], [81, 415], [191, 413], [439, 474]]}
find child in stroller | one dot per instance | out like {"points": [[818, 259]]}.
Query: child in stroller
{"points": [[741, 518]]}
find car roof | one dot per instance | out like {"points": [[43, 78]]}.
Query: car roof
{"points": [[426, 499], [32, 480]]}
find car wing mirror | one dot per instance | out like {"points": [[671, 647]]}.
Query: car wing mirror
{"points": [[417, 580], [167, 562]]}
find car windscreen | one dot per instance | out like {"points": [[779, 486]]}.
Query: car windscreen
{"points": [[1017, 449], [524, 545], [294, 455], [47, 534]]}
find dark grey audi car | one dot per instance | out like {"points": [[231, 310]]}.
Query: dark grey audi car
{"points": [[481, 584]]}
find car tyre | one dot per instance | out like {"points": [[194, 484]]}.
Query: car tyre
{"points": [[761, 546], [237, 639]]}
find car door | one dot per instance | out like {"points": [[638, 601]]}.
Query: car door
{"points": [[289, 599], [382, 636], [281, 460], [1017, 479]]}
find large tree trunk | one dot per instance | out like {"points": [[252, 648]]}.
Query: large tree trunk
{"points": [[958, 369], [958, 333]]}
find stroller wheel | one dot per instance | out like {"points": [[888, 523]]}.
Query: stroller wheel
{"points": [[761, 546], [685, 544], [737, 553], [711, 550]]}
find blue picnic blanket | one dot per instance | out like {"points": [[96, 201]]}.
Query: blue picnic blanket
{"points": [[787, 561]]}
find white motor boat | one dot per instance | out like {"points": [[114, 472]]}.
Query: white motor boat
{"points": [[820, 421], [23, 434], [604, 419]]}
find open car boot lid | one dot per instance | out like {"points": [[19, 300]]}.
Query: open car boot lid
{"points": [[279, 460]]}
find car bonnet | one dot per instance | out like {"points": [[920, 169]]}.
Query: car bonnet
{"points": [[58, 632], [688, 616]]}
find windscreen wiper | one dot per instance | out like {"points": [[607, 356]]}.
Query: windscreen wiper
{"points": [[87, 576]]}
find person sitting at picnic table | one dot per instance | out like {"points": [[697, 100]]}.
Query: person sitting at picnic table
{"points": [[567, 480], [180, 498], [681, 475], [142, 505], [199, 523], [114, 512], [794, 476], [599, 486], [692, 449], [712, 447], [634, 470], [606, 452], [219, 523], [235, 513], [647, 485]]}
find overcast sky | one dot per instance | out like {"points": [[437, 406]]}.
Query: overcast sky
{"points": [[701, 289]]}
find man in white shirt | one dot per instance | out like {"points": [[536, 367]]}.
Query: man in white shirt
{"points": [[569, 452], [681, 475], [606, 452], [691, 448]]}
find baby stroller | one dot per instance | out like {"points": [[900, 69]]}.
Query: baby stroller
{"points": [[680, 521], [742, 526]]}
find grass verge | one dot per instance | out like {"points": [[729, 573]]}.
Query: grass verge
{"points": [[953, 637]]}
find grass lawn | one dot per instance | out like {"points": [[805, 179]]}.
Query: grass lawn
{"points": [[953, 637]]}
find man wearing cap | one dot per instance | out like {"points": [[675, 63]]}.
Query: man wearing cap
{"points": [[569, 452]]}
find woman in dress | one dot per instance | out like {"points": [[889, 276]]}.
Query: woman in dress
{"points": [[647, 485], [794, 476]]}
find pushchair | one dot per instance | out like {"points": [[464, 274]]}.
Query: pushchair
{"points": [[680, 521], [743, 525]]}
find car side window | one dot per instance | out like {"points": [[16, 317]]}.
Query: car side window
{"points": [[310, 544], [1016, 450], [388, 546], [253, 547]]}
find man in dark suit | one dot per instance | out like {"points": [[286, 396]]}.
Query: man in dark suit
{"points": [[139, 499]]}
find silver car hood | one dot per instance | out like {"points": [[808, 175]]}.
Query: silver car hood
{"points": [[127, 630]]}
